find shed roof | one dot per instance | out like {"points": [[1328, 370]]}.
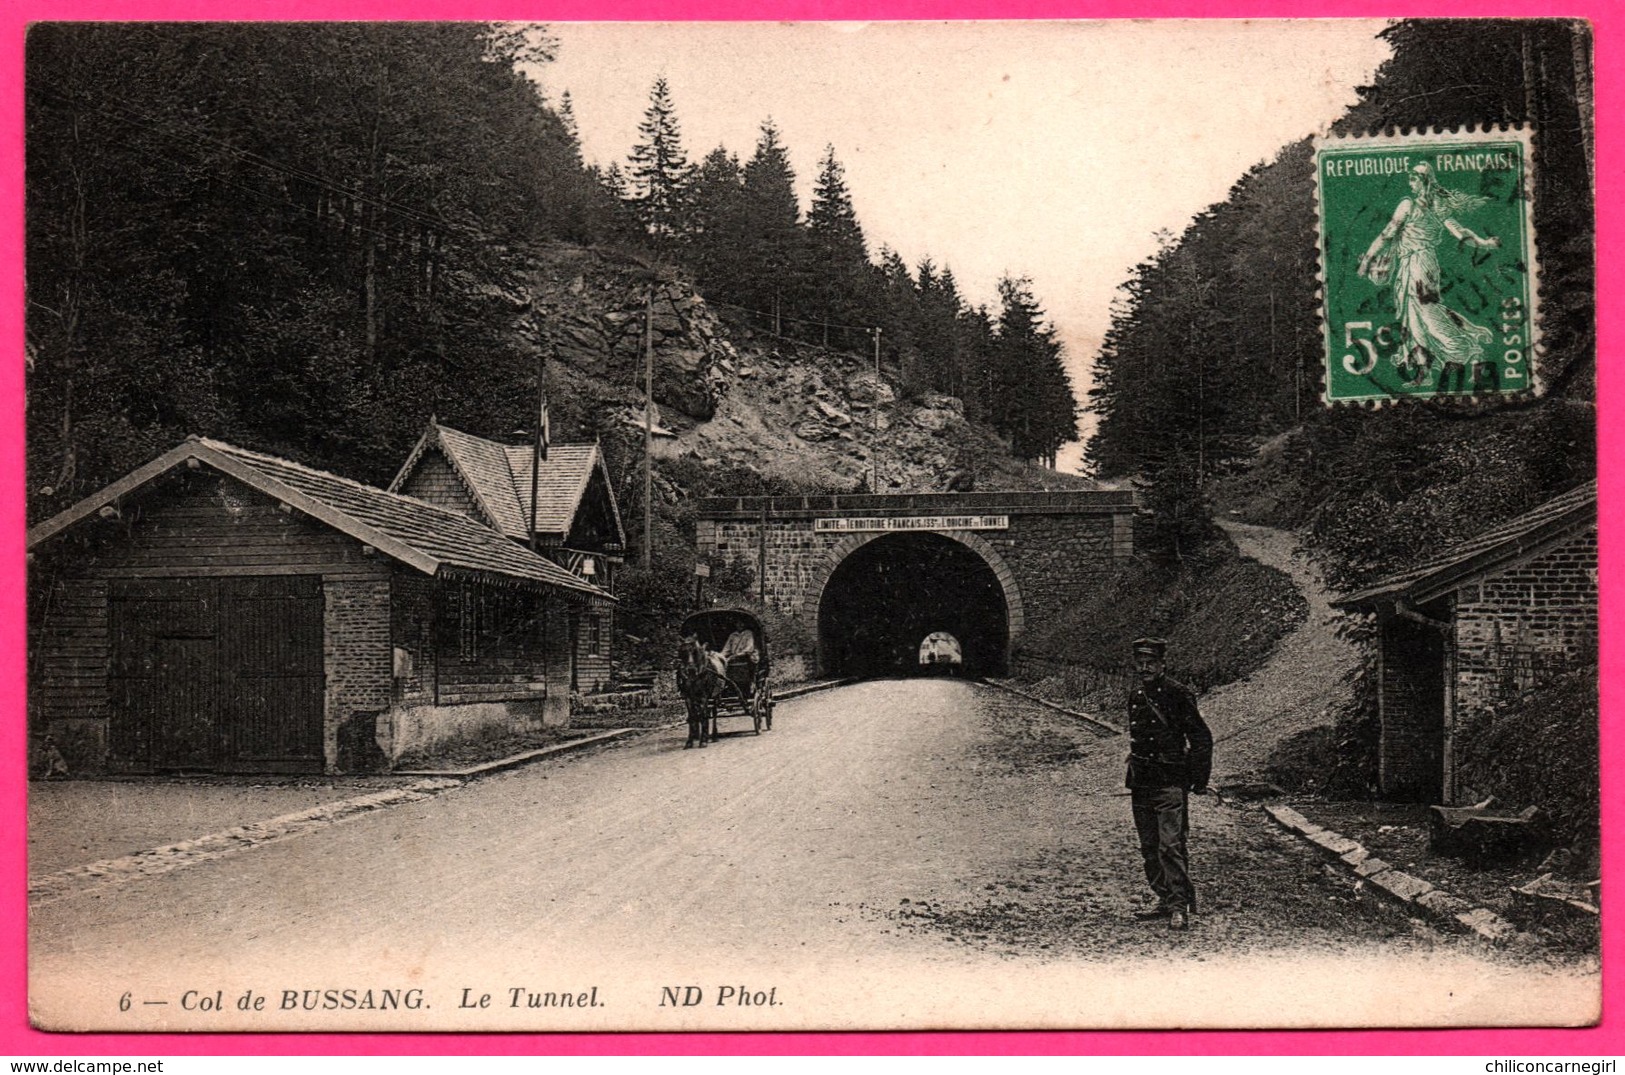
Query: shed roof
{"points": [[1460, 564], [419, 534], [498, 477]]}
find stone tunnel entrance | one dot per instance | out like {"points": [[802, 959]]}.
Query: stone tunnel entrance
{"points": [[890, 593]]}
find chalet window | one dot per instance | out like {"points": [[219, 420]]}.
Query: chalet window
{"points": [[595, 626]]}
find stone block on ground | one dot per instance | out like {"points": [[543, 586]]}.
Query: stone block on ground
{"points": [[1372, 865], [1444, 904], [1336, 843], [1487, 924], [1402, 886], [1291, 819]]}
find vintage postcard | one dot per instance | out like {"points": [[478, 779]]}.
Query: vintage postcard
{"points": [[766, 527]]}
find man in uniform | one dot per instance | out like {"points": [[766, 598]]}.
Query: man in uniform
{"points": [[1170, 755]]}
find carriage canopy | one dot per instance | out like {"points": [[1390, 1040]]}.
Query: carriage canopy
{"points": [[717, 627]]}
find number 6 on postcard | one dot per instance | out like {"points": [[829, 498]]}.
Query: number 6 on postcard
{"points": [[1428, 266]]}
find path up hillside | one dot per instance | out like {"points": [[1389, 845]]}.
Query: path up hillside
{"points": [[1303, 678]]}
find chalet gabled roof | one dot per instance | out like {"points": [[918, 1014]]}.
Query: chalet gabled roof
{"points": [[498, 478], [1461, 564], [421, 535]]}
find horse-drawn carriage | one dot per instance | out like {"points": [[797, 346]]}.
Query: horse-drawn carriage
{"points": [[723, 671]]}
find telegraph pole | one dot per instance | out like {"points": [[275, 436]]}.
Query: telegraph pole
{"points": [[648, 423], [874, 449]]}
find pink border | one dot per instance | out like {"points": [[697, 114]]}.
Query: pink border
{"points": [[16, 1038]]}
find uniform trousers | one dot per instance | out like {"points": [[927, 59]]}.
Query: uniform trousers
{"points": [[1162, 820]]}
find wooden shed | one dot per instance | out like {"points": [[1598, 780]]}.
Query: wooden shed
{"points": [[223, 610], [1477, 624], [573, 518]]}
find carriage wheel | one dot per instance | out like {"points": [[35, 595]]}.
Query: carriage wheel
{"points": [[767, 707], [756, 712]]}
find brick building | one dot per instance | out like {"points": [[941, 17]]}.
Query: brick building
{"points": [[572, 519], [223, 610], [1480, 623]]}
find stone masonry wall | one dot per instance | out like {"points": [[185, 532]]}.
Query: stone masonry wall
{"points": [[356, 655], [1517, 628], [1056, 557], [794, 553], [1051, 557]]}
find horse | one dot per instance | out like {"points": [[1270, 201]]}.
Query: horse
{"points": [[700, 675]]}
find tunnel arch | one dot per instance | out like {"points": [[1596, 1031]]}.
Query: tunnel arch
{"points": [[980, 598]]}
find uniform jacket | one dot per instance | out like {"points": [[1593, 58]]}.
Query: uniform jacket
{"points": [[1169, 745]]}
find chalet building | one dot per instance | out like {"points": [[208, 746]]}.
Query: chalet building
{"points": [[223, 610], [1478, 624], [573, 519]]}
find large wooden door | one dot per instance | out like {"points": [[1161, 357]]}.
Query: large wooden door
{"points": [[164, 681], [218, 674], [271, 661]]}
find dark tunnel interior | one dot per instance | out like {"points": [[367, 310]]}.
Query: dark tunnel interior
{"points": [[885, 598]]}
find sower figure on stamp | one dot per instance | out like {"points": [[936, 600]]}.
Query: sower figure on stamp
{"points": [[1170, 755]]}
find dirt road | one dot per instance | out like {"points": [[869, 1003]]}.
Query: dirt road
{"points": [[923, 853]]}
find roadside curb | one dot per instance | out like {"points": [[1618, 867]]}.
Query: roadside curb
{"points": [[161, 860], [1401, 887], [811, 688], [1087, 718], [513, 761], [778, 696]]}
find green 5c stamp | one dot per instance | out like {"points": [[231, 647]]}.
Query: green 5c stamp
{"points": [[1427, 259]]}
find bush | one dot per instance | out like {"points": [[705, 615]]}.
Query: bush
{"points": [[1540, 749], [1222, 615], [1336, 760]]}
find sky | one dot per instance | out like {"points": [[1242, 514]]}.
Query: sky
{"points": [[1056, 151]]}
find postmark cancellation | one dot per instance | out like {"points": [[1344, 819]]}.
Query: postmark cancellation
{"points": [[1429, 266]]}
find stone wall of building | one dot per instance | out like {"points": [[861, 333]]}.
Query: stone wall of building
{"points": [[356, 657], [1054, 547], [1520, 626]]}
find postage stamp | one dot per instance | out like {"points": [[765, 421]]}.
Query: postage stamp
{"points": [[1428, 261], [496, 568]]}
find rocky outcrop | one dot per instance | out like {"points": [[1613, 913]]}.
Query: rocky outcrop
{"points": [[727, 395], [592, 311]]}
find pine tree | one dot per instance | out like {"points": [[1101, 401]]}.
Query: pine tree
{"points": [[938, 333], [838, 261], [567, 116], [774, 259], [978, 344], [1034, 406], [715, 242], [900, 317], [660, 172], [302, 227]]}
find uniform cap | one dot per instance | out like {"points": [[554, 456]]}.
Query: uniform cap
{"points": [[1152, 646]]}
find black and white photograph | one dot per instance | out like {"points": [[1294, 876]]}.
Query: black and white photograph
{"points": [[893, 526]]}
